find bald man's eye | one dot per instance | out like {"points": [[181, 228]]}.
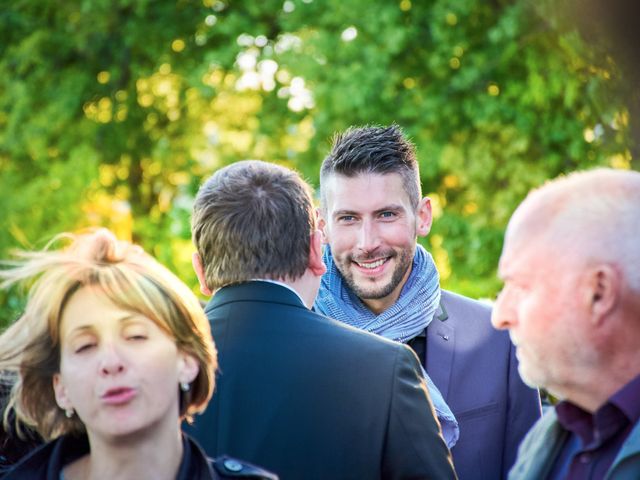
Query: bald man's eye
{"points": [[388, 215]]}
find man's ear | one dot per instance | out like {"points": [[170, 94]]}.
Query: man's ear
{"points": [[322, 225], [199, 269], [60, 392], [316, 265], [424, 217], [603, 292]]}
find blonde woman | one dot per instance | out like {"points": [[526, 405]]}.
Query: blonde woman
{"points": [[111, 353]]}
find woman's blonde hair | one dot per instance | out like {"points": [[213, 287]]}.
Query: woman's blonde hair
{"points": [[131, 279]]}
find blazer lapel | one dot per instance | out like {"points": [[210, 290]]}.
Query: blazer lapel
{"points": [[630, 448], [540, 448], [440, 350]]}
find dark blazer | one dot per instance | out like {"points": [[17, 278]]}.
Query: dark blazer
{"points": [[310, 398], [49, 460], [13, 447], [475, 368]]}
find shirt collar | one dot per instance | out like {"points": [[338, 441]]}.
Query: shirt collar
{"points": [[282, 284], [627, 399], [623, 407]]}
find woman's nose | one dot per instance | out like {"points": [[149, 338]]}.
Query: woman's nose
{"points": [[111, 361]]}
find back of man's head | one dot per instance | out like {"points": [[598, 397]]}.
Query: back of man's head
{"points": [[251, 220], [373, 149]]}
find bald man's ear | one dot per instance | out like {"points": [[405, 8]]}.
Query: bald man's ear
{"points": [[196, 261], [316, 265], [424, 217], [603, 291]]}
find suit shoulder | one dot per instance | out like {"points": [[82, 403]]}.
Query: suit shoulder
{"points": [[542, 427], [230, 468], [457, 302]]}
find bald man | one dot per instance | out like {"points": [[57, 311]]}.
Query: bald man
{"points": [[571, 303]]}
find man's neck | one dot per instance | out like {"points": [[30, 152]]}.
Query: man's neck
{"points": [[284, 284], [597, 389], [305, 287], [379, 305]]}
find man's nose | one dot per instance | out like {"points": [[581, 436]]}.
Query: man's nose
{"points": [[502, 315], [368, 236]]}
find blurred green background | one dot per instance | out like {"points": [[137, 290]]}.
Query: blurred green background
{"points": [[113, 111]]}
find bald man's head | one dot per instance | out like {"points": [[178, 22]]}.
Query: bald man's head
{"points": [[593, 215]]}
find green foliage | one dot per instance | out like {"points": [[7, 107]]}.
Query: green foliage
{"points": [[112, 112]]}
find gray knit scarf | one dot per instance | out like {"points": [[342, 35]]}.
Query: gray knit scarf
{"points": [[408, 317]]}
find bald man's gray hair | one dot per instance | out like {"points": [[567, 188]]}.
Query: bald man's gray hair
{"points": [[595, 212]]}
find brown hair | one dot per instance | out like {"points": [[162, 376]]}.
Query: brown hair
{"points": [[131, 279], [253, 219]]}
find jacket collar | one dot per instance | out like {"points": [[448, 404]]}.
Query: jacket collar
{"points": [[254, 291], [441, 313], [543, 443]]}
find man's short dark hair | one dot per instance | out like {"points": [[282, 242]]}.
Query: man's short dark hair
{"points": [[373, 149], [253, 219]]}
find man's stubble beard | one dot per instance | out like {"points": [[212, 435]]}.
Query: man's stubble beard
{"points": [[405, 260]]}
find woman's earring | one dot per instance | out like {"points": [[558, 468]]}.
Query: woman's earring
{"points": [[185, 387], [69, 412]]}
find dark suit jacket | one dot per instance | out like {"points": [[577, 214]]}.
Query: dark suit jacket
{"points": [[475, 368], [310, 398]]}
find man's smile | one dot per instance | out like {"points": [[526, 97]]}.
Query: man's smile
{"points": [[371, 264]]}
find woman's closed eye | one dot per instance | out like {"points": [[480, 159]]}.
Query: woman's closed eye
{"points": [[137, 337], [84, 347], [135, 332]]}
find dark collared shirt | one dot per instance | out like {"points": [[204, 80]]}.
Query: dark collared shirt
{"points": [[419, 345], [595, 439]]}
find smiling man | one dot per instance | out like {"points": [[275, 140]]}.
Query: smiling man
{"points": [[571, 302], [380, 280]]}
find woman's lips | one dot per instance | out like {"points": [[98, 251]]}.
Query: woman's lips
{"points": [[118, 396]]}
